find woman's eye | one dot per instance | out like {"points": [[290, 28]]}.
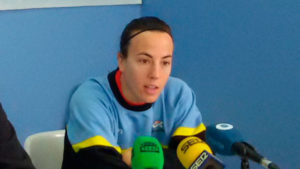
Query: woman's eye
{"points": [[144, 61], [166, 63]]}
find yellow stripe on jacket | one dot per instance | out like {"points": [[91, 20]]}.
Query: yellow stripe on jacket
{"points": [[94, 141], [188, 131]]}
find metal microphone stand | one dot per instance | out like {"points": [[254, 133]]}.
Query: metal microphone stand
{"points": [[245, 163]]}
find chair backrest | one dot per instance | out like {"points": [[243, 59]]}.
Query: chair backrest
{"points": [[46, 149]]}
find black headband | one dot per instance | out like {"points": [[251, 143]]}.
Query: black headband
{"points": [[141, 31]]}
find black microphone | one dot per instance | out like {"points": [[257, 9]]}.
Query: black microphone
{"points": [[224, 139]]}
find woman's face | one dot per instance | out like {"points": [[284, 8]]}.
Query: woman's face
{"points": [[147, 67]]}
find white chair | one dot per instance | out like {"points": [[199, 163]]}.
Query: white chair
{"points": [[46, 149]]}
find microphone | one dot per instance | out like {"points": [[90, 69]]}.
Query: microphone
{"points": [[147, 153], [226, 140], [193, 153]]}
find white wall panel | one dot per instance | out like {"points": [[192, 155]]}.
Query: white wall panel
{"points": [[29, 4]]}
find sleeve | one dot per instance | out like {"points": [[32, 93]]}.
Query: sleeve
{"points": [[91, 130], [91, 122], [92, 157], [12, 154], [189, 119]]}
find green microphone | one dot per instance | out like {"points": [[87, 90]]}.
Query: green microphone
{"points": [[147, 153]]}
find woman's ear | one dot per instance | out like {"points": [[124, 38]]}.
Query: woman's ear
{"points": [[121, 60]]}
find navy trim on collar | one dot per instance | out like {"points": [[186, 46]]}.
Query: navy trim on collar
{"points": [[121, 100]]}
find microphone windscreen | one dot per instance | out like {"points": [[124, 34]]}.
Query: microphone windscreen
{"points": [[194, 153], [147, 153], [221, 137]]}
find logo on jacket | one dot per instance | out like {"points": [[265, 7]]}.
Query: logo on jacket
{"points": [[158, 125]]}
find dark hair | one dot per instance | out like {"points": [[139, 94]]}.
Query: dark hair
{"points": [[138, 26]]}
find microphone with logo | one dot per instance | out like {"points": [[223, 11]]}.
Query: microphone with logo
{"points": [[147, 153], [224, 139], [193, 153]]}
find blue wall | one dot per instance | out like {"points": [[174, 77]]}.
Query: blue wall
{"points": [[45, 53], [242, 58]]}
